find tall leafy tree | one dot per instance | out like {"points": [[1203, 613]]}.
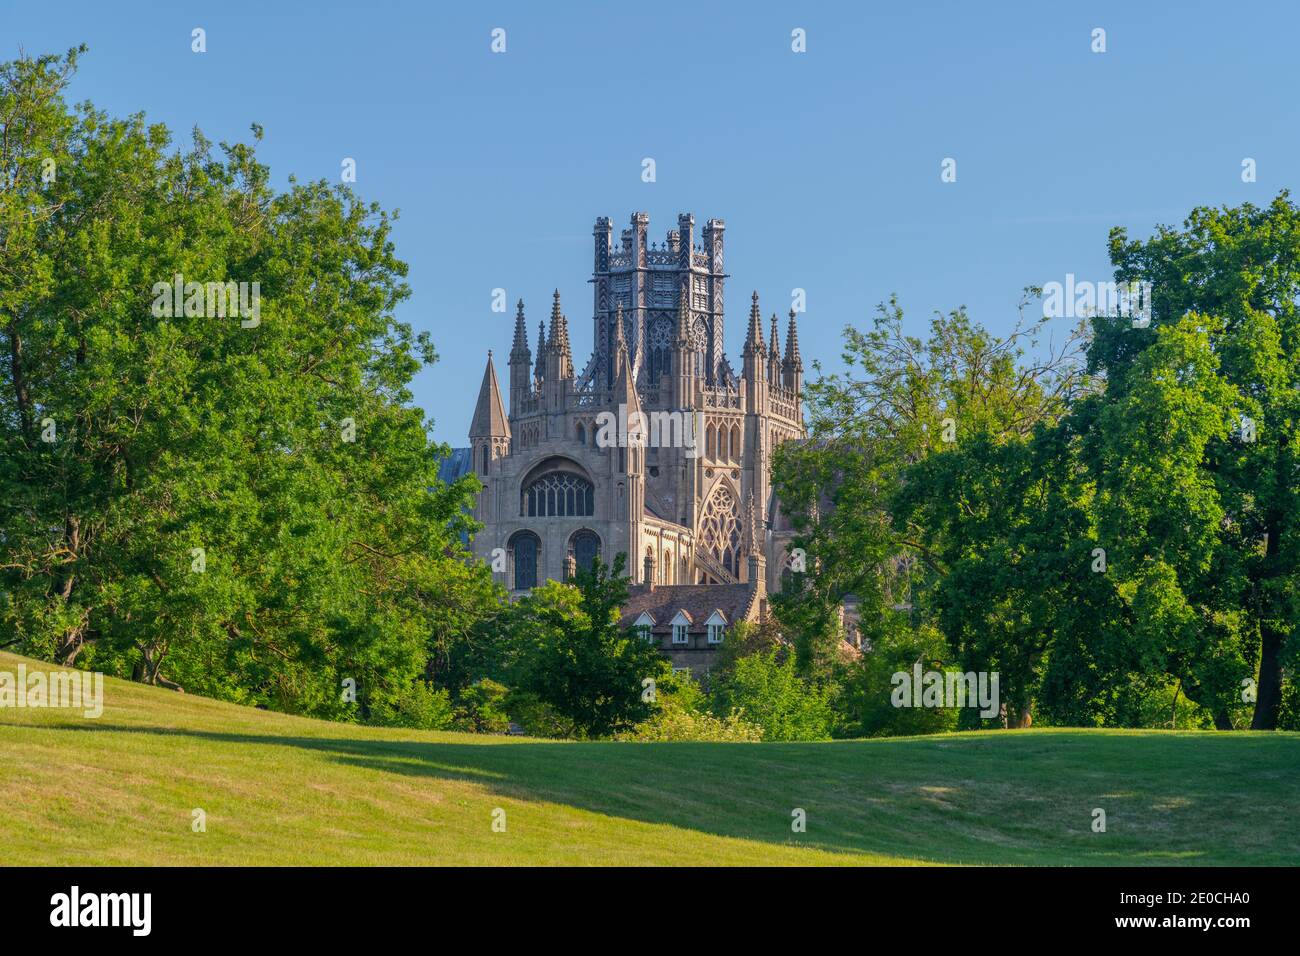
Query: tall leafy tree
{"points": [[1199, 441], [243, 505], [904, 473]]}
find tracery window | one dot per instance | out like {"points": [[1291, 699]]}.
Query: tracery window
{"points": [[720, 529], [558, 494], [660, 346]]}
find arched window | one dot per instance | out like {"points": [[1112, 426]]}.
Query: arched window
{"points": [[699, 345], [708, 441], [559, 494], [525, 548], [720, 529], [735, 443], [659, 343], [582, 434], [661, 363], [584, 548], [485, 459]]}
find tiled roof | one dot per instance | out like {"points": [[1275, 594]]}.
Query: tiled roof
{"points": [[697, 600]]}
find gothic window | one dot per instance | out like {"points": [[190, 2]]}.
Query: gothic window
{"points": [[660, 345], [708, 441], [525, 547], [559, 494], [699, 344], [584, 547], [485, 459], [582, 434], [720, 529], [735, 443]]}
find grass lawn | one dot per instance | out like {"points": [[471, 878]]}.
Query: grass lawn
{"points": [[276, 789]]}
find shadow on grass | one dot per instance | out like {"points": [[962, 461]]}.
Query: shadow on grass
{"points": [[986, 798]]}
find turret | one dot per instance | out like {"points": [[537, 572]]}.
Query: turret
{"points": [[774, 357], [754, 356], [559, 356], [489, 430], [792, 368], [539, 370], [521, 357], [754, 351], [685, 240]]}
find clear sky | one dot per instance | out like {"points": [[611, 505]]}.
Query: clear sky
{"points": [[825, 164]]}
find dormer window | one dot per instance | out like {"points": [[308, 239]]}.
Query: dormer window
{"points": [[714, 627], [643, 625], [681, 625]]}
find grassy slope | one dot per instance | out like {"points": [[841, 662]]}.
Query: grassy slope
{"points": [[286, 790]]}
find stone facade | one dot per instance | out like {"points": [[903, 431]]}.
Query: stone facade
{"points": [[684, 489]]}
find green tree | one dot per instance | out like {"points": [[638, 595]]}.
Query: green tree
{"points": [[765, 689], [567, 650], [920, 455], [243, 505], [1214, 385]]}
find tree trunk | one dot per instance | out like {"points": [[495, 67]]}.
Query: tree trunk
{"points": [[1268, 694], [1268, 699]]}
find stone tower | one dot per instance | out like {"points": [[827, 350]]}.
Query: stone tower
{"points": [[657, 450]]}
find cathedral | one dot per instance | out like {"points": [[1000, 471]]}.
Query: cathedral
{"points": [[691, 506]]}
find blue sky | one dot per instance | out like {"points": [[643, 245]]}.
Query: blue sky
{"points": [[825, 165]]}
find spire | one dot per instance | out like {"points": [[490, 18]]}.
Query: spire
{"points": [[625, 385], [793, 362], [559, 357], [519, 350], [539, 371], [754, 339], [489, 419], [559, 327], [774, 356]]}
